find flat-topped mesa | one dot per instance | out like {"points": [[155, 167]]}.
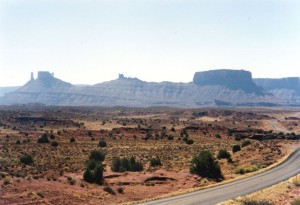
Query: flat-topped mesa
{"points": [[45, 75], [290, 83], [232, 79]]}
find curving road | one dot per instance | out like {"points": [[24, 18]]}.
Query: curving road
{"points": [[278, 127], [214, 195]]}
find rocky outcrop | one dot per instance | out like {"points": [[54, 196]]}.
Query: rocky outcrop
{"points": [[231, 79], [125, 91], [45, 82]]}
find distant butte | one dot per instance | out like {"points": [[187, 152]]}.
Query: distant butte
{"points": [[222, 87]]}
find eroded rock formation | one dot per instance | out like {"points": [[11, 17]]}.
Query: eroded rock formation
{"points": [[208, 89]]}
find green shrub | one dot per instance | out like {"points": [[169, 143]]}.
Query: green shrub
{"points": [[246, 169], [155, 162], [6, 181], [54, 144], [72, 181], [41, 194], [72, 140], [26, 159], [189, 141], [94, 169], [102, 143], [109, 190], [88, 176], [229, 160], [124, 164], [43, 139], [205, 165], [97, 155], [246, 143], [170, 137], [223, 154], [18, 142], [236, 148], [120, 190], [98, 173], [91, 164], [217, 136]]}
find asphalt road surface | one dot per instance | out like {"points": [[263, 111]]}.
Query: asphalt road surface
{"points": [[214, 195]]}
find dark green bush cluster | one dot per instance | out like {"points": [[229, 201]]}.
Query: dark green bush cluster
{"points": [[124, 164], [102, 143], [189, 141], [236, 148], [72, 140], [26, 159], [43, 139], [94, 169], [97, 155], [170, 137], [54, 144], [205, 165], [155, 162], [223, 154]]}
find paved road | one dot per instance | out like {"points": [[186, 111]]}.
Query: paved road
{"points": [[245, 186], [278, 127]]}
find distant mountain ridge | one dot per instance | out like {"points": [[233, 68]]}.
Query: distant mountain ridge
{"points": [[285, 88], [209, 88], [4, 90]]}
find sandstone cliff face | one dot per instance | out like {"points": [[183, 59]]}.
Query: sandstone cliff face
{"points": [[232, 79], [134, 92]]}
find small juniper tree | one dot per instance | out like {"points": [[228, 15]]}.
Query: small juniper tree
{"points": [[94, 169], [97, 155], [155, 162], [102, 143], [236, 148], [88, 176], [26, 159], [223, 154], [43, 139], [205, 165]]}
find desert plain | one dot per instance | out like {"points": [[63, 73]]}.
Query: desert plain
{"points": [[172, 135]]}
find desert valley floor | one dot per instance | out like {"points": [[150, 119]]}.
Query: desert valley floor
{"points": [[174, 136]]}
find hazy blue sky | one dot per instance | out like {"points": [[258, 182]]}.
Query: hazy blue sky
{"points": [[85, 41]]}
